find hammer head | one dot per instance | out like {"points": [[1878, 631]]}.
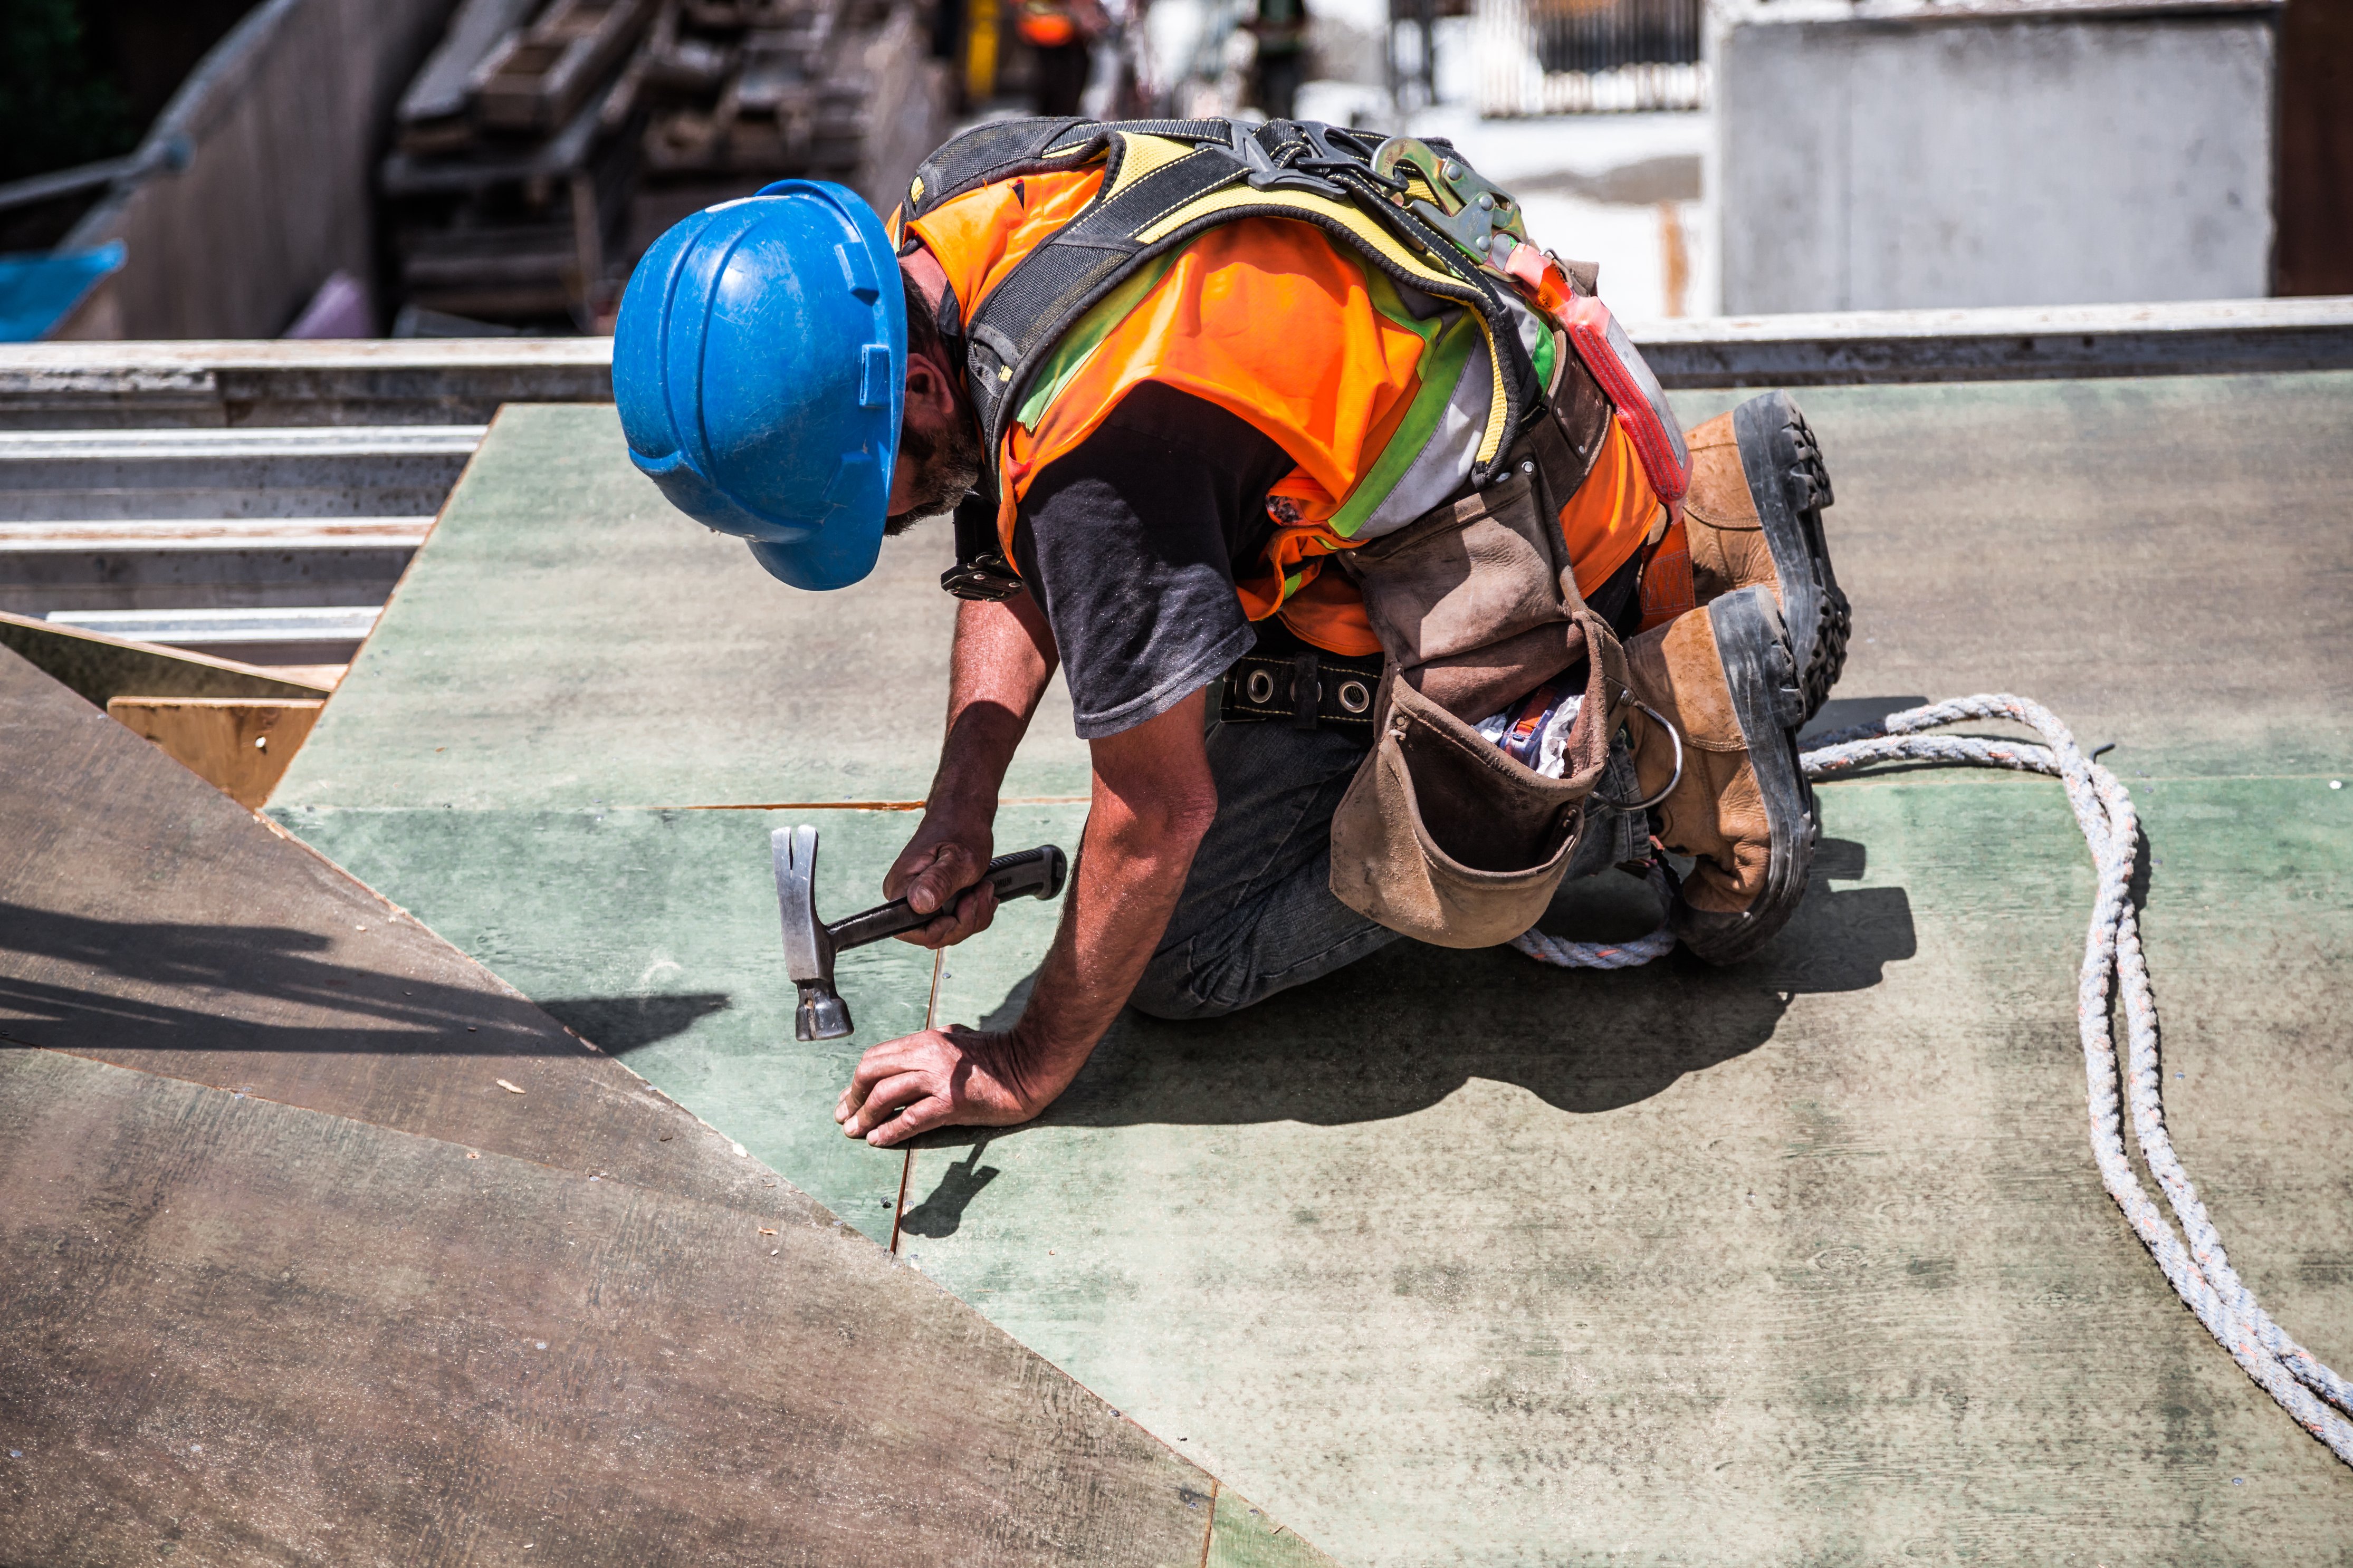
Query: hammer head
{"points": [[808, 949]]}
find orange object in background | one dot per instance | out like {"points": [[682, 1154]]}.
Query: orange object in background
{"points": [[1045, 24]]}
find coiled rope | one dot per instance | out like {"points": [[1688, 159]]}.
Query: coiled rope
{"points": [[2200, 1269]]}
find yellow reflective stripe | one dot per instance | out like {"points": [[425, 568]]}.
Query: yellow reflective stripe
{"points": [[1140, 155], [1368, 232], [1373, 237]]}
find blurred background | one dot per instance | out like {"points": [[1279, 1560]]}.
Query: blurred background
{"points": [[419, 168]]}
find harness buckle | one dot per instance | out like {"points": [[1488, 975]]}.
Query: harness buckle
{"points": [[981, 572], [1471, 210]]}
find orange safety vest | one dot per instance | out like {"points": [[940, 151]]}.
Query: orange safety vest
{"points": [[1270, 319]]}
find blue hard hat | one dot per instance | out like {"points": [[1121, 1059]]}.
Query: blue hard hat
{"points": [[760, 363]]}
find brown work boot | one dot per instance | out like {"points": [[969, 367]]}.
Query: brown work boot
{"points": [[1753, 514], [1722, 680]]}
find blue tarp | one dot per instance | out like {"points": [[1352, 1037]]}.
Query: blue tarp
{"points": [[38, 288]]}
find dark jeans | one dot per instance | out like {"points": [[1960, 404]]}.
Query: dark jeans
{"points": [[1257, 915]]}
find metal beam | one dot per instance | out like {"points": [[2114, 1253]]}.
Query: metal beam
{"points": [[2007, 343], [463, 380]]}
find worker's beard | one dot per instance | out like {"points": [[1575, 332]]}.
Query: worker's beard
{"points": [[947, 467]]}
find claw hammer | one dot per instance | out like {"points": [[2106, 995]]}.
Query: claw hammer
{"points": [[810, 944]]}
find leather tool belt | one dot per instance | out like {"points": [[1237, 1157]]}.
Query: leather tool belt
{"points": [[1306, 689]]}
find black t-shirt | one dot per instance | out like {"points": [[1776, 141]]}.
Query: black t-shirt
{"points": [[1130, 541]]}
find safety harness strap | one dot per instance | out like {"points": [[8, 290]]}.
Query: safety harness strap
{"points": [[1007, 149], [1165, 183]]}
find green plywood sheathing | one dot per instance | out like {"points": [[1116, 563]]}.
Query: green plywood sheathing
{"points": [[564, 638], [1450, 1258], [2167, 557], [656, 935], [2165, 563], [1244, 1537], [1454, 1250]]}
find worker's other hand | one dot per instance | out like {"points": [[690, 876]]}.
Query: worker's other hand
{"points": [[939, 873], [954, 1076]]}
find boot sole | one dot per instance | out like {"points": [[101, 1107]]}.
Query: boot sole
{"points": [[1760, 673], [1790, 485]]}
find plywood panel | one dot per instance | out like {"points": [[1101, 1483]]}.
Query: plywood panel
{"points": [[316, 1240], [240, 746], [566, 638]]}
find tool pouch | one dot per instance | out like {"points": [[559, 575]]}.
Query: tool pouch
{"points": [[1441, 836]]}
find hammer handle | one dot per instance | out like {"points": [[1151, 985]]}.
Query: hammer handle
{"points": [[1038, 873]]}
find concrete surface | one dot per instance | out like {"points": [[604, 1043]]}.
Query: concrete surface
{"points": [[1450, 1259], [319, 1243], [1991, 160]]}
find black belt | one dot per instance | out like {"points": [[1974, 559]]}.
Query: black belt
{"points": [[1336, 690]]}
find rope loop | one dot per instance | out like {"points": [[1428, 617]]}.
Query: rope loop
{"points": [[2192, 1259]]}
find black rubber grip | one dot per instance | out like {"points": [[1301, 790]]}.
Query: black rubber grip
{"points": [[1035, 873]]}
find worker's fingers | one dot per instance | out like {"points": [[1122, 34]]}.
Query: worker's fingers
{"points": [[934, 1111], [886, 1060], [886, 1099], [972, 912], [914, 859], [976, 911], [950, 871]]}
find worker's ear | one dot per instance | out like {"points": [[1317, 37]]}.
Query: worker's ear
{"points": [[931, 391]]}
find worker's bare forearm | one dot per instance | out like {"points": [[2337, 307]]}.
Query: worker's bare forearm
{"points": [[1154, 799], [1150, 809], [1004, 656]]}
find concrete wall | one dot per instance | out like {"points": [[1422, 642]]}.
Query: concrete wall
{"points": [[1904, 164], [283, 120]]}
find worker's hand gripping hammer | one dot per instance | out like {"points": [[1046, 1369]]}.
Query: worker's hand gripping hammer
{"points": [[810, 944]]}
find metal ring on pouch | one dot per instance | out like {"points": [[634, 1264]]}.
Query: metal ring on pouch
{"points": [[1353, 698], [1670, 789]]}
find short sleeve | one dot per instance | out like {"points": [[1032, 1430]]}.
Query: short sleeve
{"points": [[1129, 541]]}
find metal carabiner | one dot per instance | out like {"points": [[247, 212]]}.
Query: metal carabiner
{"points": [[1670, 789]]}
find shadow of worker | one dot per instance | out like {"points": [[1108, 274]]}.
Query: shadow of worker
{"points": [[73, 982], [1408, 1026]]}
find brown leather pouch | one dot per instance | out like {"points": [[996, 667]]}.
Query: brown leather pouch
{"points": [[1441, 836]]}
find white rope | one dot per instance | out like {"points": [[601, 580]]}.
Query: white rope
{"points": [[1601, 954], [2198, 1270]]}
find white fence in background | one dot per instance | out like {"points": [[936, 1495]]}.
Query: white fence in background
{"points": [[1589, 57]]}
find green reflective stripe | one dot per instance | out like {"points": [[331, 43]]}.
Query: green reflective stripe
{"points": [[1086, 334], [1448, 341], [1546, 354]]}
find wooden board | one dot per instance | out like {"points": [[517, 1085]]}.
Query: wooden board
{"points": [[240, 745], [245, 1329], [99, 668], [317, 1241]]}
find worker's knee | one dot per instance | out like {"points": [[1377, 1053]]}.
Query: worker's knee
{"points": [[1173, 987]]}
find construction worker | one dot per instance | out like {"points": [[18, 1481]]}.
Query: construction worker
{"points": [[1285, 407]]}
